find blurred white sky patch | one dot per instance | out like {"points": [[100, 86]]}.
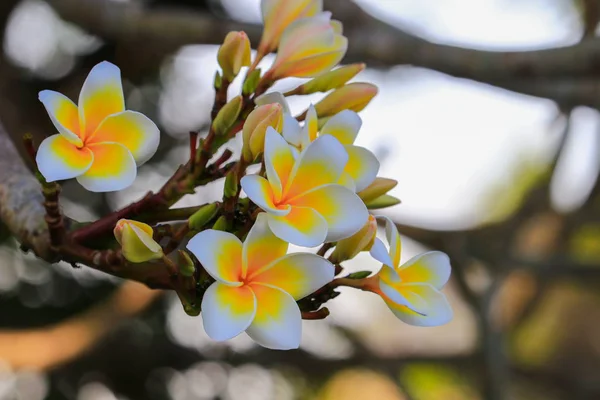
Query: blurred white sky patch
{"points": [[38, 40]]}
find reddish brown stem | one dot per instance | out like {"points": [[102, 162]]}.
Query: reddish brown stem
{"points": [[315, 315]]}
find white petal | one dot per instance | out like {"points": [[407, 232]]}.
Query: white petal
{"points": [[273, 97], [437, 310], [220, 253], [344, 126], [343, 210], [227, 311], [278, 322], [302, 227], [432, 267], [259, 191]]}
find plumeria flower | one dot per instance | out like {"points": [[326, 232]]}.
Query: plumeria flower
{"points": [[309, 47], [99, 142], [257, 285], [304, 204], [412, 290]]}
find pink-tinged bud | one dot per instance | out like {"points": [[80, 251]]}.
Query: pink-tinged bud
{"points": [[136, 241], [330, 80], [279, 14], [308, 47], [234, 54], [255, 128], [353, 96], [347, 249]]}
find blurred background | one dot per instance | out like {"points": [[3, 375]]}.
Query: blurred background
{"points": [[494, 142]]}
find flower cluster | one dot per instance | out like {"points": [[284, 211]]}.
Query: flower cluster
{"points": [[313, 186]]}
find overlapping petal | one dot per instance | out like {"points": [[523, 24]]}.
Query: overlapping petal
{"points": [[63, 114], [343, 210], [227, 311], [113, 168], [298, 274], [278, 322], [279, 162], [100, 96], [433, 307], [393, 238], [261, 248], [321, 163], [57, 159], [279, 14], [344, 126], [432, 267], [220, 253], [362, 166], [133, 130], [137, 243], [259, 191], [303, 226]]}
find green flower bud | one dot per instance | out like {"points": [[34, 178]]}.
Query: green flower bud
{"points": [[231, 184], [228, 115], [222, 224], [185, 263], [382, 202], [201, 217], [379, 187], [251, 82]]}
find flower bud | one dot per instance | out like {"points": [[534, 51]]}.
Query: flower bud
{"points": [[136, 241], [279, 14], [382, 202], [308, 47], [255, 128], [228, 115], [330, 80], [222, 224], [185, 263], [273, 97], [347, 249], [201, 217], [353, 96], [234, 54], [231, 186], [251, 82], [379, 187]]}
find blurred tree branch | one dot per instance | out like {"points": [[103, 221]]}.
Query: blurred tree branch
{"points": [[568, 75]]}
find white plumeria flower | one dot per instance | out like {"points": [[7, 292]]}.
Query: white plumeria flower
{"points": [[257, 285], [412, 290], [304, 204], [99, 142], [362, 166]]}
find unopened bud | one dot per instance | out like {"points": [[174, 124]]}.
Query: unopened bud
{"points": [[379, 187], [185, 263], [251, 82], [136, 241], [218, 81], [228, 115], [382, 202], [353, 96], [231, 186], [330, 80], [201, 217], [234, 54], [255, 128], [347, 249], [222, 224]]}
